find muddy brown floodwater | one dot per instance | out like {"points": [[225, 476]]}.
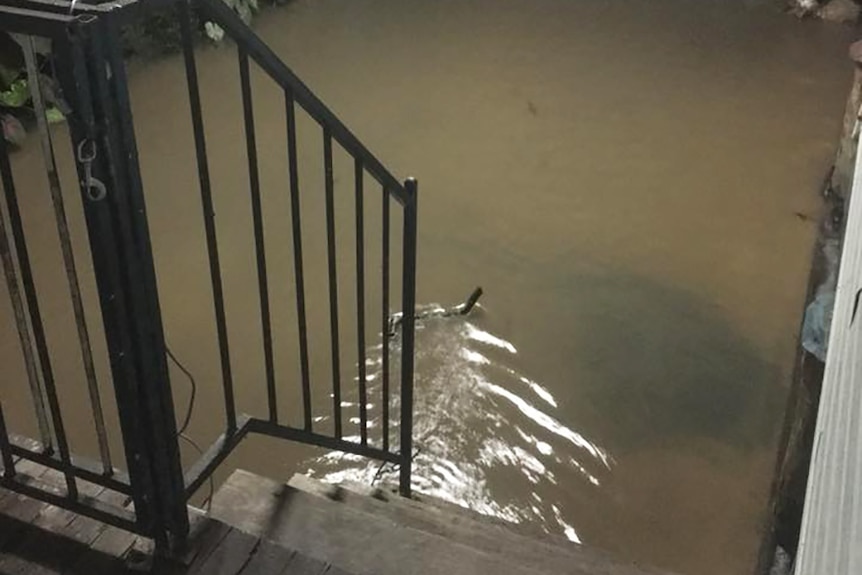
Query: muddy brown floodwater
{"points": [[621, 177]]}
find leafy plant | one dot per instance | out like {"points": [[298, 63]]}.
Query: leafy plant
{"points": [[155, 34], [16, 105], [245, 9], [16, 95]]}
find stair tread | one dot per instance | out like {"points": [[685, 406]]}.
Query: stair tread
{"points": [[423, 502], [366, 540], [552, 554], [353, 540]]}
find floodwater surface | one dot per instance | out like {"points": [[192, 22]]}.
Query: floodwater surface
{"points": [[633, 184]]}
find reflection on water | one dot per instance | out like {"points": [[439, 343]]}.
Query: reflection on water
{"points": [[478, 419]]}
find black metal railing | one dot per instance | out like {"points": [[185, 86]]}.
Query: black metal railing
{"points": [[251, 49], [88, 63]]}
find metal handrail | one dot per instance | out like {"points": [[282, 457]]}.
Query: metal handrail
{"points": [[251, 47], [263, 55]]}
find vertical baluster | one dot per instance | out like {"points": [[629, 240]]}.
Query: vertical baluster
{"points": [[209, 212], [385, 320], [360, 301], [290, 114], [408, 303], [333, 280], [68, 255], [257, 216], [5, 447], [36, 322], [9, 273]]}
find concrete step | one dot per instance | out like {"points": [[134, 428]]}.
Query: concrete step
{"points": [[365, 538], [549, 554]]}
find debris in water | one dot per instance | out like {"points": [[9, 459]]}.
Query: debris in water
{"points": [[460, 309], [818, 314], [782, 564]]}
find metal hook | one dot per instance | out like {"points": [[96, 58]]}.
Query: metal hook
{"points": [[93, 187], [86, 158], [96, 190]]}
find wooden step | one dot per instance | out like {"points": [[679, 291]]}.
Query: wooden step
{"points": [[552, 554], [38, 538], [368, 538], [389, 493], [349, 538]]}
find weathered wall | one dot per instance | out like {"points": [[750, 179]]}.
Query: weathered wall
{"points": [[791, 476]]}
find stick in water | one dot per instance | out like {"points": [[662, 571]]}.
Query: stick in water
{"points": [[460, 309]]}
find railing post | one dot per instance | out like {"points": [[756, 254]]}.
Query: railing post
{"points": [[93, 81], [408, 325]]}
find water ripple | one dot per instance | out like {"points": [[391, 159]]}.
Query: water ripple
{"points": [[480, 441]]}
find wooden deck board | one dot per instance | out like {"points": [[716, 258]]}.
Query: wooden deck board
{"points": [[41, 539], [206, 535], [303, 565], [268, 559], [105, 556], [229, 556]]}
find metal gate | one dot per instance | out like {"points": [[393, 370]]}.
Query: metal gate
{"points": [[88, 64]]}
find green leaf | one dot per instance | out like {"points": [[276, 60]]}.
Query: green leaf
{"points": [[213, 32], [54, 115], [17, 94]]}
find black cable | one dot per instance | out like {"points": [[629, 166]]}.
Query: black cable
{"points": [[194, 389], [187, 419], [208, 502], [379, 472], [395, 466]]}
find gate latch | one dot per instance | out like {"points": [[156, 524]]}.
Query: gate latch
{"points": [[93, 187]]}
